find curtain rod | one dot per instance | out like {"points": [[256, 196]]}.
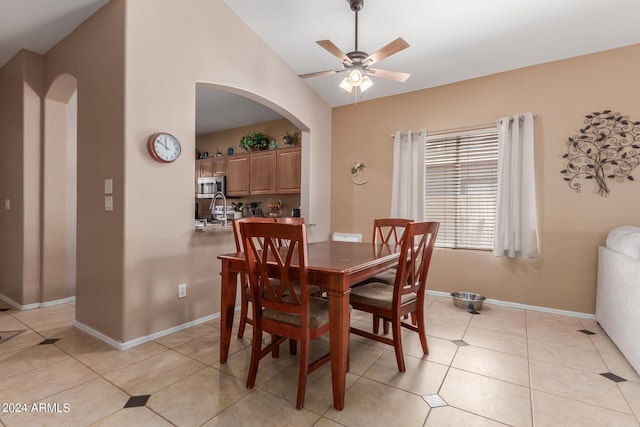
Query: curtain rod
{"points": [[462, 128]]}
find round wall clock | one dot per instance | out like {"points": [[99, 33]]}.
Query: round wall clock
{"points": [[163, 147]]}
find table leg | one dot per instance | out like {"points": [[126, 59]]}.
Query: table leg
{"points": [[228, 287], [339, 338]]}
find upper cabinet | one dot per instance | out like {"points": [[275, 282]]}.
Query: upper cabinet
{"points": [[238, 174], [260, 172], [263, 172], [288, 167], [213, 166]]}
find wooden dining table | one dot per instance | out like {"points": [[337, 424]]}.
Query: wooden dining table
{"points": [[335, 266]]}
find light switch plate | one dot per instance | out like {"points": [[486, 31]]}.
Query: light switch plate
{"points": [[108, 186], [7, 204], [108, 203]]}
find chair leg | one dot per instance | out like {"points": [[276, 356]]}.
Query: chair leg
{"points": [[275, 352], [422, 330], [397, 343], [293, 347], [244, 306], [256, 348], [376, 324], [303, 372]]}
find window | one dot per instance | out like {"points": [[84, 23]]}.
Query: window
{"points": [[461, 183]]}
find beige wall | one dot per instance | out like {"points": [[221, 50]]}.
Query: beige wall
{"points": [[572, 225], [94, 54], [20, 92], [161, 249]]}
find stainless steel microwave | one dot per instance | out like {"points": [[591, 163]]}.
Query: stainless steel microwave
{"points": [[209, 186]]}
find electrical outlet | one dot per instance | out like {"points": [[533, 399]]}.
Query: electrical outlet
{"points": [[182, 290]]}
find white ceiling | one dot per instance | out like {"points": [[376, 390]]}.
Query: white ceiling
{"points": [[450, 40]]}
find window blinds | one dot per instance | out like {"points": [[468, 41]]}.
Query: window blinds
{"points": [[461, 181]]}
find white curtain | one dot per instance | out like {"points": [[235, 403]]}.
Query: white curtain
{"points": [[407, 197], [516, 234]]}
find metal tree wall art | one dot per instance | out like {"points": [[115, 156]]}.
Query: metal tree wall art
{"points": [[608, 148]]}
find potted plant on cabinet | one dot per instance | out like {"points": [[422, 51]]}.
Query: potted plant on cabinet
{"points": [[255, 141], [291, 138]]}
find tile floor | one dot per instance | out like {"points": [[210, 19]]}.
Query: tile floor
{"points": [[503, 366]]}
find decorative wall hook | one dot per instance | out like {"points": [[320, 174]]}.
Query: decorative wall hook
{"points": [[608, 147], [359, 174]]}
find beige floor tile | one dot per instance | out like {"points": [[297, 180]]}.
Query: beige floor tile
{"points": [[555, 411], [617, 364], [569, 356], [10, 323], [448, 416], [238, 364], [362, 356], [318, 393], [541, 318], [631, 392], [198, 397], [30, 358], [154, 373], [326, 422], [366, 325], [263, 409], [369, 403], [207, 348], [603, 343], [587, 387], [78, 406], [500, 319], [559, 335], [592, 325], [140, 416], [445, 330], [494, 399], [103, 358], [495, 340], [26, 339], [421, 377], [440, 351], [494, 364], [43, 382], [442, 312], [48, 317], [178, 338]]}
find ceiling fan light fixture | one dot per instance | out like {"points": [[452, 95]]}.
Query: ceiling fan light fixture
{"points": [[355, 77], [346, 85], [366, 83]]}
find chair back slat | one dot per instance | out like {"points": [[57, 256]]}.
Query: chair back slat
{"points": [[415, 256], [389, 230]]}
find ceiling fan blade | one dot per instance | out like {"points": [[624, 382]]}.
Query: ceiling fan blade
{"points": [[335, 51], [394, 47], [390, 75], [320, 73]]}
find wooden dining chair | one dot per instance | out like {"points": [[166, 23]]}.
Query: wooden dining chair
{"points": [[407, 294], [387, 231], [244, 282], [285, 309]]}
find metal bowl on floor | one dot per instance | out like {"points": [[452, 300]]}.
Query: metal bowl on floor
{"points": [[468, 300]]}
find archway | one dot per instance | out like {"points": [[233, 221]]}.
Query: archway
{"points": [[59, 188]]}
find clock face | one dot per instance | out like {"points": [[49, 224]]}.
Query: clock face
{"points": [[164, 147]]}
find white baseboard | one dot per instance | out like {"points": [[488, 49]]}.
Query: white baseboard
{"points": [[141, 340], [21, 307], [524, 306]]}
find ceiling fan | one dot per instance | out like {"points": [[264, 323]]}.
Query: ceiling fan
{"points": [[357, 62]]}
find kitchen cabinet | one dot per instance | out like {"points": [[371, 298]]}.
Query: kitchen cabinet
{"points": [[238, 173], [288, 167], [263, 172], [214, 166]]}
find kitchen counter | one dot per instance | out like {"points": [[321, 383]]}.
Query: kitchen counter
{"points": [[215, 228]]}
